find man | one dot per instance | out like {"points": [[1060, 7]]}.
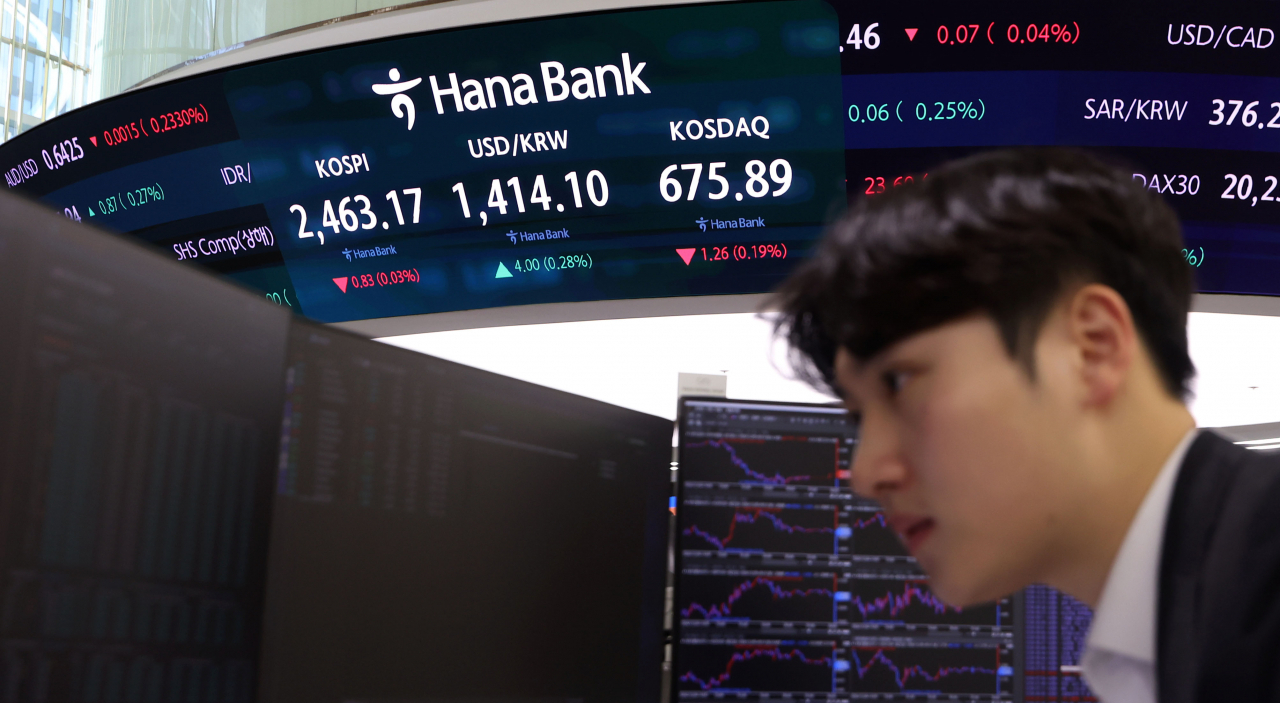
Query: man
{"points": [[1011, 335]]}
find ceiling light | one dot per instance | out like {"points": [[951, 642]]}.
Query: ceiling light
{"points": [[1262, 447]]}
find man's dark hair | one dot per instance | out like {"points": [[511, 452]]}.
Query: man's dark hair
{"points": [[1002, 233]]}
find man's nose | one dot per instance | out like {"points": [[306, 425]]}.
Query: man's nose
{"points": [[878, 463]]}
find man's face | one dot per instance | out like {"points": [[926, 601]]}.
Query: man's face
{"points": [[966, 453]]}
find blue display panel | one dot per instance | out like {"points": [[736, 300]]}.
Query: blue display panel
{"points": [[1053, 640], [685, 150], [1182, 95]]}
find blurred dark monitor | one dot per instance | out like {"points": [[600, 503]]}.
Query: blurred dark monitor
{"points": [[448, 534], [438, 533], [139, 416]]}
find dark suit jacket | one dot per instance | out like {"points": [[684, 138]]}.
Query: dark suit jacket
{"points": [[1218, 631]]}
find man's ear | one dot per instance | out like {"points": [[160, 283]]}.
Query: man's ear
{"points": [[1101, 328]]}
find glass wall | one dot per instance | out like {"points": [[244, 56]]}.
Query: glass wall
{"points": [[56, 55], [45, 53], [140, 38]]}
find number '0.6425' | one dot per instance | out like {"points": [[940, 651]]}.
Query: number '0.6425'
{"points": [[350, 219], [63, 152]]}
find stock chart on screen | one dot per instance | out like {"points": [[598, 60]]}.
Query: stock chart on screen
{"points": [[789, 585], [679, 151]]}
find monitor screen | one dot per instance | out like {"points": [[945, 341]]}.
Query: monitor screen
{"points": [[139, 413], [447, 534], [202, 500], [790, 586], [1053, 632], [674, 151]]}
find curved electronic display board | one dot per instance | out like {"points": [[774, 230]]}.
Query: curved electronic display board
{"points": [[673, 151], [668, 152]]}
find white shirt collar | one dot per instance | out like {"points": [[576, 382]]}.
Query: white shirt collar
{"points": [[1124, 622]]}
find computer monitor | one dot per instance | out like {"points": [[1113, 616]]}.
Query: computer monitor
{"points": [[139, 410], [448, 534], [407, 529], [1053, 630], [788, 584]]}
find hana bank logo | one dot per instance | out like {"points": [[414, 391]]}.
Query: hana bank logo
{"points": [[401, 104]]}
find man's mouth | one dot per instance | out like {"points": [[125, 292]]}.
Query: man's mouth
{"points": [[912, 529]]}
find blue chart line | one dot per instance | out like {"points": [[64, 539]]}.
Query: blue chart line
{"points": [[894, 604], [877, 518], [774, 653], [774, 480], [903, 675], [751, 516], [723, 611], [872, 535]]}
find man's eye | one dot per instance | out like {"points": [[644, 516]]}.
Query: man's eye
{"points": [[894, 381]]}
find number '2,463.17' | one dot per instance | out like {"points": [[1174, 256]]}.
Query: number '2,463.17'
{"points": [[350, 219]]}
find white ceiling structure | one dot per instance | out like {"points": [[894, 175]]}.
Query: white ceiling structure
{"points": [[1237, 358], [634, 362]]}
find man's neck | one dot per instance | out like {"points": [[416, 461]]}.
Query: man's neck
{"points": [[1123, 461]]}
